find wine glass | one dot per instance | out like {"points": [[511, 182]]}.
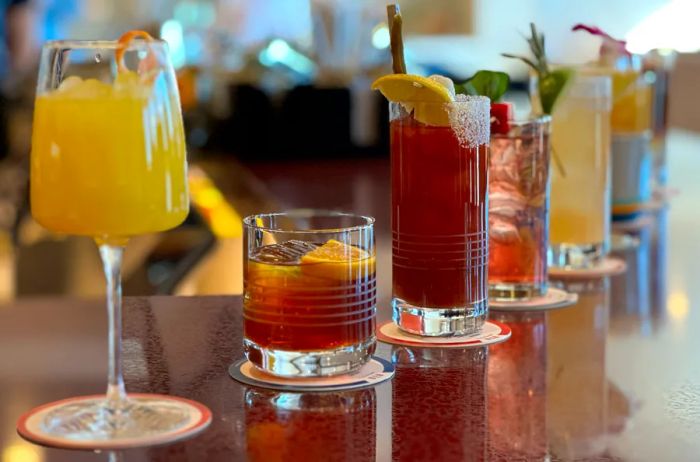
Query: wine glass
{"points": [[109, 162]]}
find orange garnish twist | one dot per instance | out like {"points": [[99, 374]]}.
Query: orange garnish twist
{"points": [[123, 44]]}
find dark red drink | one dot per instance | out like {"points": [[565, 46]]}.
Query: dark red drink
{"points": [[309, 302], [439, 223]]}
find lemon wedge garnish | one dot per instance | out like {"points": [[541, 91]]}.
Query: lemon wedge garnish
{"points": [[418, 94], [338, 261], [412, 88]]}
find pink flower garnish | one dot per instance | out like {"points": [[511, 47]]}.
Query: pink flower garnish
{"points": [[618, 45]]}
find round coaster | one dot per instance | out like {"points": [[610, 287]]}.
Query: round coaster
{"points": [[552, 300], [610, 266], [376, 371], [492, 332], [29, 426]]}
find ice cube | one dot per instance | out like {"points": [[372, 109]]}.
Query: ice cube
{"points": [[92, 88], [505, 210], [503, 231], [126, 81], [70, 83], [285, 253], [505, 199]]}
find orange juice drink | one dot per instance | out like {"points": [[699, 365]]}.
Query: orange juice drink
{"points": [[108, 160], [631, 98], [631, 110]]}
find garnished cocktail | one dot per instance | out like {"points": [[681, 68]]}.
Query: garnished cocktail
{"points": [[108, 162], [519, 209], [439, 182], [310, 292], [580, 188], [630, 123], [580, 195], [132, 182]]}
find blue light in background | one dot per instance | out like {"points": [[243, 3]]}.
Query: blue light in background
{"points": [[171, 31], [279, 51], [195, 14], [380, 37]]}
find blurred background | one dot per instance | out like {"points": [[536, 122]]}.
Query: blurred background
{"points": [[279, 113]]}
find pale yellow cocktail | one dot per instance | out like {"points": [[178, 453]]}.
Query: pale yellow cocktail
{"points": [[580, 190]]}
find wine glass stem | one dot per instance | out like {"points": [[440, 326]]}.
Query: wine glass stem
{"points": [[112, 264]]}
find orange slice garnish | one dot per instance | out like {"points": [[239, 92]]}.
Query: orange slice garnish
{"points": [[338, 261], [123, 44]]}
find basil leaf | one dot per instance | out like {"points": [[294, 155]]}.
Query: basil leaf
{"points": [[551, 86], [492, 84]]}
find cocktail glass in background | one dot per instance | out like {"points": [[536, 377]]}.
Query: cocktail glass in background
{"points": [[658, 66], [310, 292], [632, 167], [108, 161], [519, 209], [630, 123], [579, 232], [439, 181], [631, 108]]}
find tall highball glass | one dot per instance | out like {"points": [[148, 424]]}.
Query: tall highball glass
{"points": [[579, 234], [439, 186], [519, 209]]}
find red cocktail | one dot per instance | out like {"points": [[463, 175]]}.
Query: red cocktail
{"points": [[519, 209], [310, 292], [439, 215]]}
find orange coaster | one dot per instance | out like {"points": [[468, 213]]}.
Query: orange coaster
{"points": [[30, 425], [376, 371], [492, 332], [552, 300]]}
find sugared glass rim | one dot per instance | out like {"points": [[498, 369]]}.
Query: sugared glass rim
{"points": [[99, 44], [469, 101], [249, 221]]}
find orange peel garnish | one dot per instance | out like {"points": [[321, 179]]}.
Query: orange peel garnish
{"points": [[123, 43]]}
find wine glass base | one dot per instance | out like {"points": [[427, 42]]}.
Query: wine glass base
{"points": [[87, 422]]}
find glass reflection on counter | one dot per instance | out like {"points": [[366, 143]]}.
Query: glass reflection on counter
{"points": [[659, 263], [434, 392], [630, 291], [309, 427], [577, 387], [639, 295], [517, 386]]}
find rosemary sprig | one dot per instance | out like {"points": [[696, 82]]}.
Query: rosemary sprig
{"points": [[550, 83]]}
